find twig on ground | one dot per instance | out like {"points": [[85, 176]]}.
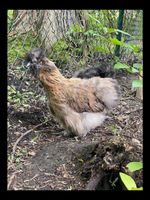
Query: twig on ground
{"points": [[11, 179], [24, 134], [31, 178]]}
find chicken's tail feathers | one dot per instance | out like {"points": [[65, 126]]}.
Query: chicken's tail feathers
{"points": [[92, 120], [109, 92], [111, 97]]}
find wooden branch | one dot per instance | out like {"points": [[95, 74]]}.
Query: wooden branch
{"points": [[24, 134], [94, 181]]}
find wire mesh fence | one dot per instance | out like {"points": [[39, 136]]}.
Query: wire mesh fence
{"points": [[73, 39]]}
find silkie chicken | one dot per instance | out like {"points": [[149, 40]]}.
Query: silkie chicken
{"points": [[78, 104]]}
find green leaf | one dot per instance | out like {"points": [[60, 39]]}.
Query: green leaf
{"points": [[128, 181], [111, 30], [134, 70], [133, 47], [100, 49], [130, 70], [10, 16], [76, 28], [121, 66], [138, 66], [141, 188], [81, 160], [116, 41], [137, 83], [134, 166]]}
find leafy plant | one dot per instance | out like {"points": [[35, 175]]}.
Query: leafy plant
{"points": [[18, 98], [134, 166], [128, 180], [113, 128], [9, 18], [137, 68], [19, 45], [60, 51]]}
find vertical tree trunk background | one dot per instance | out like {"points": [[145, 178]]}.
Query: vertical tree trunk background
{"points": [[49, 25], [85, 45]]}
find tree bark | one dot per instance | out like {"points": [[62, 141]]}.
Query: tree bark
{"points": [[85, 44], [47, 25]]}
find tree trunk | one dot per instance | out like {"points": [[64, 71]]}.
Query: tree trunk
{"points": [[85, 44], [47, 25]]}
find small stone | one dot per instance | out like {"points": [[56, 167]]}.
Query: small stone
{"points": [[31, 153]]}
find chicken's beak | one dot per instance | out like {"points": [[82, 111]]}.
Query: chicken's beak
{"points": [[34, 69]]}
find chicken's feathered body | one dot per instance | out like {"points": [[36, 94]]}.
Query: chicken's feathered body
{"points": [[79, 104], [102, 70]]}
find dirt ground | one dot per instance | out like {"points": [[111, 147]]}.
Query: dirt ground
{"points": [[44, 159]]}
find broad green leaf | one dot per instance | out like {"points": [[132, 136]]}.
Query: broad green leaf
{"points": [[141, 188], [111, 30], [138, 67], [130, 70], [134, 70], [76, 28], [128, 181], [121, 66], [137, 83], [10, 12], [133, 47], [116, 41], [10, 16], [128, 46], [100, 49], [134, 166]]}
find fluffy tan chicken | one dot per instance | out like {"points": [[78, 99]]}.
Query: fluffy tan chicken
{"points": [[79, 104]]}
